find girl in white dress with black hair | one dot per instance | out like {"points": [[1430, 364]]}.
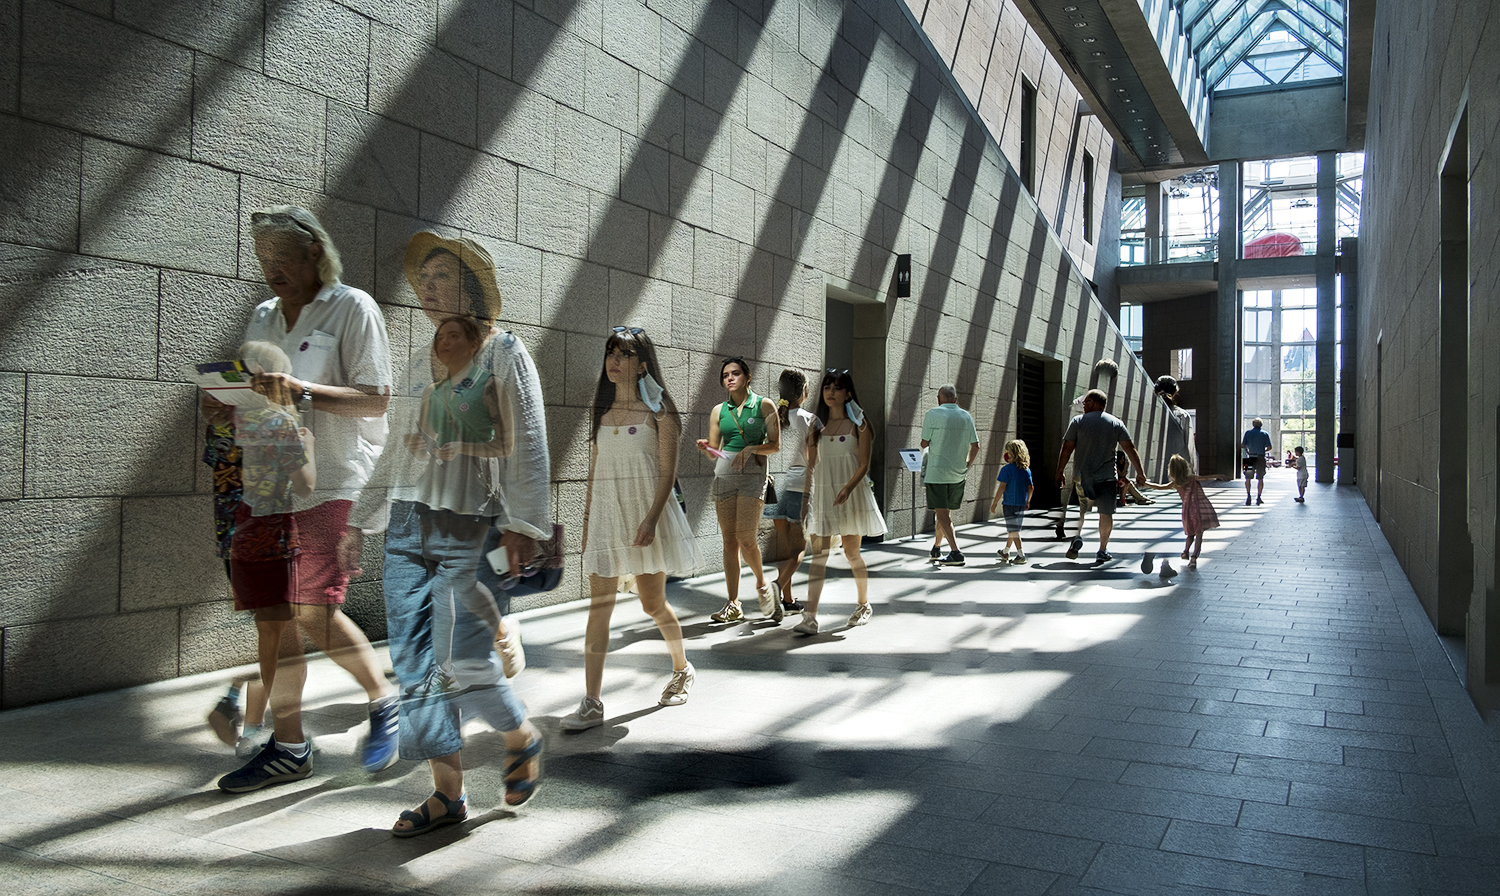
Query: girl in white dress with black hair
{"points": [[632, 525], [840, 496]]}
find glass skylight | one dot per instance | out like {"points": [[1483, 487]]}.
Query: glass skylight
{"points": [[1260, 43]]}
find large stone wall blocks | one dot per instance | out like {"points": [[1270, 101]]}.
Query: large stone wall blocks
{"points": [[575, 291], [371, 160], [663, 115], [228, 29], [645, 180], [322, 46], [94, 76], [478, 31], [722, 79], [620, 231], [611, 90], [418, 18], [548, 59], [214, 636], [636, 301], [692, 193], [145, 444], [12, 429], [671, 244], [10, 54], [167, 553], [247, 122], [202, 319], [38, 184], [518, 270], [70, 573], [517, 124], [716, 263], [734, 209], [588, 151], [57, 307], [554, 214], [52, 660], [424, 87], [155, 209], [468, 189], [681, 61], [632, 34]]}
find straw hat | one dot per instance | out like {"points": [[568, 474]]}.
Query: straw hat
{"points": [[472, 255]]}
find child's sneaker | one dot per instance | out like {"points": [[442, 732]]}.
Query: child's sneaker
{"points": [[860, 616], [1075, 547], [225, 719], [1020, 559], [1004, 556], [808, 625]]}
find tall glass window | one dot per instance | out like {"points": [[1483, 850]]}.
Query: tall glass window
{"points": [[1280, 366], [1280, 207]]}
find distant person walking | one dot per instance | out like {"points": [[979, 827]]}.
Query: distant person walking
{"points": [[1094, 435], [1257, 443], [952, 443], [1301, 476]]}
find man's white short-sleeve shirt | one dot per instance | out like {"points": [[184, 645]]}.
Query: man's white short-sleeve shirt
{"points": [[339, 340]]}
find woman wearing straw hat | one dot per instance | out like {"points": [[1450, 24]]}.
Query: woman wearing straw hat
{"points": [[447, 490]]}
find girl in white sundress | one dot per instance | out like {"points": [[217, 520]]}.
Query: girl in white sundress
{"points": [[632, 525], [789, 513], [841, 498]]}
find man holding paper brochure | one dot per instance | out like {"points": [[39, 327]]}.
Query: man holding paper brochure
{"points": [[340, 383]]}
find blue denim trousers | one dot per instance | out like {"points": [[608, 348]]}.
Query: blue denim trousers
{"points": [[424, 547]]}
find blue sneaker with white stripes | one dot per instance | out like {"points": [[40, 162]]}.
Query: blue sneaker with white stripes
{"points": [[272, 765], [380, 751]]}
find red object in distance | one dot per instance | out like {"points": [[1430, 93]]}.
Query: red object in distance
{"points": [[1273, 245]]}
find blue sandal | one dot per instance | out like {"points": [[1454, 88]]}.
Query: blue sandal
{"points": [[421, 822], [522, 787]]}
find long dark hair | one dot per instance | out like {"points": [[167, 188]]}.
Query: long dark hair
{"points": [[791, 386], [472, 290], [842, 379], [635, 341]]}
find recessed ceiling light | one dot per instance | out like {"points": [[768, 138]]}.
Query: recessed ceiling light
{"points": [[1139, 119], [1091, 40], [1096, 52], [1070, 9], [1106, 65], [1080, 24], [1114, 77]]}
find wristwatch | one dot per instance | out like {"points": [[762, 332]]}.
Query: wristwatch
{"points": [[304, 401]]}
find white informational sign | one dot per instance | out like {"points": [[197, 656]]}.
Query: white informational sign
{"points": [[912, 457]]}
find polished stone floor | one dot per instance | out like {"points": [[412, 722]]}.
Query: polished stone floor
{"points": [[1280, 721]]}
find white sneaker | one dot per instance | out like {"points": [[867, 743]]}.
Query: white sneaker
{"points": [[769, 596], [860, 616], [251, 739], [676, 691], [808, 625], [589, 714]]}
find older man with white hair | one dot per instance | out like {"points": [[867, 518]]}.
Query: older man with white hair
{"points": [[340, 382]]}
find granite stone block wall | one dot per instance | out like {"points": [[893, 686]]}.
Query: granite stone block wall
{"points": [[1429, 69], [713, 170]]}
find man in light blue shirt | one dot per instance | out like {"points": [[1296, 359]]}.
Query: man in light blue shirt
{"points": [[1257, 442], [952, 443]]}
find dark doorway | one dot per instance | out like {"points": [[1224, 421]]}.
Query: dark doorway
{"points": [[1039, 422], [1455, 544]]}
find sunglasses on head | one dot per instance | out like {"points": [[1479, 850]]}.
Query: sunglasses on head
{"points": [[282, 218], [832, 371], [634, 331]]}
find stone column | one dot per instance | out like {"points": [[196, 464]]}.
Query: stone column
{"points": [[1226, 386], [1327, 279]]}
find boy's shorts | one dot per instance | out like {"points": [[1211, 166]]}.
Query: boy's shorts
{"points": [[1014, 514]]}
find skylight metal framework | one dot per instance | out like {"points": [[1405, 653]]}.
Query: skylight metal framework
{"points": [[1269, 42]]}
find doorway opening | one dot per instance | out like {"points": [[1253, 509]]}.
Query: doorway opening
{"points": [[854, 338]]}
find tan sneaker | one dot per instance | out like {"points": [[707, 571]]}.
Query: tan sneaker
{"points": [[808, 625], [860, 616], [512, 654], [769, 596], [589, 714], [730, 613]]}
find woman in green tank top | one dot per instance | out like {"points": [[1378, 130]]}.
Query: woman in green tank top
{"points": [[742, 431]]}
